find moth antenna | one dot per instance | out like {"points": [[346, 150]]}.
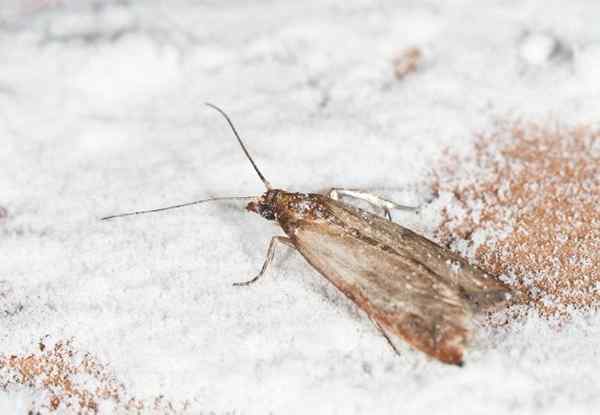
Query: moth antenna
{"points": [[265, 181], [196, 202]]}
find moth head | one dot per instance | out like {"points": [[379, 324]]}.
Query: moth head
{"points": [[265, 204]]}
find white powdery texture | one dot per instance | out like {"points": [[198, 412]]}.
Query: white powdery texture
{"points": [[102, 111]]}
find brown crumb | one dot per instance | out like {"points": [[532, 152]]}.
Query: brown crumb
{"points": [[72, 381], [532, 215], [54, 403], [407, 62]]}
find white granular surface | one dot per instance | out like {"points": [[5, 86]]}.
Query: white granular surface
{"points": [[101, 111]]}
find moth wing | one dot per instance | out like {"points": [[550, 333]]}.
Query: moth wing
{"points": [[481, 290], [405, 297]]}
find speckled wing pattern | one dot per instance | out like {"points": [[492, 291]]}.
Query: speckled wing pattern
{"points": [[412, 287]]}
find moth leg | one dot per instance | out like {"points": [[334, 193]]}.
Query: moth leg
{"points": [[268, 259], [387, 214], [372, 199], [385, 335]]}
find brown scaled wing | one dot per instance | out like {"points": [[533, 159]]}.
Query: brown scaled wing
{"points": [[412, 287]]}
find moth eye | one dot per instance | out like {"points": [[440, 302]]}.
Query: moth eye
{"points": [[266, 212]]}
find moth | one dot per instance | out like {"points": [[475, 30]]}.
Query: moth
{"points": [[410, 287]]}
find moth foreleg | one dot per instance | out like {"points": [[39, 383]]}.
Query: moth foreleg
{"points": [[372, 199], [268, 259]]}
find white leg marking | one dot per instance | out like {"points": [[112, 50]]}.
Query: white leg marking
{"points": [[372, 199]]}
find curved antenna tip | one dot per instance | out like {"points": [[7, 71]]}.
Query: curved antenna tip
{"points": [[260, 175]]}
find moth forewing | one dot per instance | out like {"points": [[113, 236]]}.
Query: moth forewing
{"points": [[400, 279], [402, 295]]}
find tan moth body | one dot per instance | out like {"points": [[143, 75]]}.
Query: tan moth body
{"points": [[409, 286]]}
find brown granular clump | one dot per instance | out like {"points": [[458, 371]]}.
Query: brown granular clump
{"points": [[72, 381], [525, 203], [407, 62]]}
